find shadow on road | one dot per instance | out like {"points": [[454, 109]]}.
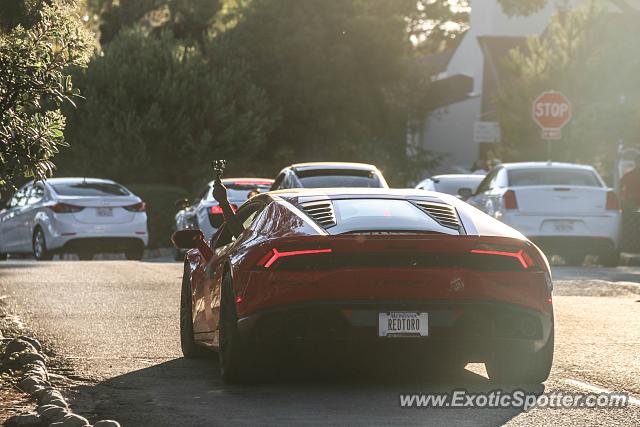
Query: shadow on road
{"points": [[191, 392]]}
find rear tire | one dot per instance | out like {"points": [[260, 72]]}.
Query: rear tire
{"points": [[511, 366], [610, 259], [134, 254], [233, 356], [39, 245], [190, 349]]}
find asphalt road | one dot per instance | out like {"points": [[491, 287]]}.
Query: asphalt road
{"points": [[114, 328]]}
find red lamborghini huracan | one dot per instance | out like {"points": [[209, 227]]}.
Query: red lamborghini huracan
{"points": [[397, 270]]}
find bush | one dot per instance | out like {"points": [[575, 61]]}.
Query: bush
{"points": [[161, 210]]}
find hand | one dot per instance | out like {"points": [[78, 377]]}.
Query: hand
{"points": [[219, 192]]}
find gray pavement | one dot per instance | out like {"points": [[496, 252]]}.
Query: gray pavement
{"points": [[114, 328]]}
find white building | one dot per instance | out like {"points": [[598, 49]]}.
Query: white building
{"points": [[467, 76]]}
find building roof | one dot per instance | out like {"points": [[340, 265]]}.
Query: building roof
{"points": [[436, 63]]}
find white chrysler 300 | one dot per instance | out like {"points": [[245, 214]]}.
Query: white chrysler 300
{"points": [[565, 208], [73, 215]]}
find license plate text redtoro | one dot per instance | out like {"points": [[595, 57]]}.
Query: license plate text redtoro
{"points": [[402, 324]]}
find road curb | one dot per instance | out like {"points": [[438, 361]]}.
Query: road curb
{"points": [[24, 358]]}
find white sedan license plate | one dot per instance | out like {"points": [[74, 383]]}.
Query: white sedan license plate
{"points": [[403, 324], [105, 211], [563, 226]]}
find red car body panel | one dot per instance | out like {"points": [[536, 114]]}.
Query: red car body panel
{"points": [[361, 268]]}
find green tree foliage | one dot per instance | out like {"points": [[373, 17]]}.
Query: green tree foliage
{"points": [[435, 25], [338, 73], [522, 7], [189, 20], [157, 113], [38, 41], [591, 56]]}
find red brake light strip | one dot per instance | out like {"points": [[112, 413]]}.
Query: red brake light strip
{"points": [[275, 255], [521, 256]]}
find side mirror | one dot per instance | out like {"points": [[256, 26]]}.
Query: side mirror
{"points": [[187, 239], [465, 192]]}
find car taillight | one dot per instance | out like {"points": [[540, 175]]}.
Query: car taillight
{"points": [[217, 210], [138, 207], [274, 255], [612, 201], [509, 200], [65, 208], [519, 254]]}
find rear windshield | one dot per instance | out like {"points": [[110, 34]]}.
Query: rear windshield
{"points": [[383, 215], [338, 178], [452, 186], [90, 189], [240, 191], [553, 176]]}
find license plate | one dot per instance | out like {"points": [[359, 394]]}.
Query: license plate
{"points": [[104, 211], [563, 225], [403, 324]]}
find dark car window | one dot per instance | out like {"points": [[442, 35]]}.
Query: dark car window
{"points": [[246, 214], [276, 184], [90, 189], [488, 181], [383, 215], [552, 176], [338, 178], [36, 193], [18, 198]]}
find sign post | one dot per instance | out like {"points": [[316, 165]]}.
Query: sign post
{"points": [[551, 111]]}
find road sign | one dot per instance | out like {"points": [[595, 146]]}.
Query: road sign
{"points": [[551, 111], [486, 132]]}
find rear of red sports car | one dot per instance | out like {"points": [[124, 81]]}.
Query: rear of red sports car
{"points": [[430, 276]]}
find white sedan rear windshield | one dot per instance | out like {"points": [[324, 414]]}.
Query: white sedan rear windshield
{"points": [[552, 176], [90, 189]]}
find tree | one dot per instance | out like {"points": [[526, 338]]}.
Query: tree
{"points": [[38, 41], [339, 73], [156, 113], [589, 54]]}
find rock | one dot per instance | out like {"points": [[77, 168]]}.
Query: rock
{"points": [[27, 358], [58, 402], [52, 413], [107, 423], [34, 342], [51, 397], [73, 420], [37, 371], [16, 346], [31, 384], [23, 420]]}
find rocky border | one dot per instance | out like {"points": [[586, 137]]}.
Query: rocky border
{"points": [[24, 357]]}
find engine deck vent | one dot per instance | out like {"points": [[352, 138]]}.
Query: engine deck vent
{"points": [[444, 214], [321, 212]]}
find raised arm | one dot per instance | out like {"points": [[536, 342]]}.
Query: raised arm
{"points": [[220, 194]]}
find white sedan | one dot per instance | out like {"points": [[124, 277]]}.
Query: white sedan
{"points": [[73, 215], [565, 208], [460, 185]]}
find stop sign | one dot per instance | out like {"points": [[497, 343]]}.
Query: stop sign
{"points": [[551, 110]]}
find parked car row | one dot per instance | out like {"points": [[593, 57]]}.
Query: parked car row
{"points": [[566, 209]]}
